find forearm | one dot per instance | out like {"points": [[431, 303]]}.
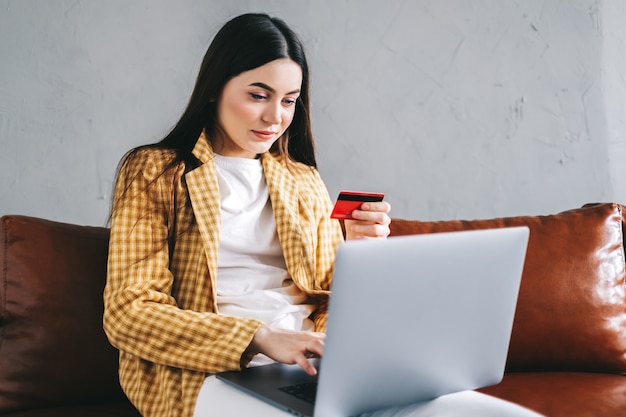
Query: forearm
{"points": [[145, 324]]}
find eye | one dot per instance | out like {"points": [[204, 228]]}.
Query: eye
{"points": [[258, 97], [289, 101]]}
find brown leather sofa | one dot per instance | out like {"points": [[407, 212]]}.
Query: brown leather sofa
{"points": [[568, 347], [55, 360]]}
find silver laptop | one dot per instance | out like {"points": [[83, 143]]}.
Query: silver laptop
{"points": [[411, 318]]}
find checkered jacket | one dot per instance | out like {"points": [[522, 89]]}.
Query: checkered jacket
{"points": [[160, 301]]}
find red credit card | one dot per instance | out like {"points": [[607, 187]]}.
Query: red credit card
{"points": [[348, 201]]}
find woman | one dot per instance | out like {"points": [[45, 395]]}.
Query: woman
{"points": [[222, 247]]}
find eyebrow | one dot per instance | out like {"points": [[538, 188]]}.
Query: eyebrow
{"points": [[270, 89]]}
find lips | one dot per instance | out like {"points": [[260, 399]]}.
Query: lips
{"points": [[264, 134]]}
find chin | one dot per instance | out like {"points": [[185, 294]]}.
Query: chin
{"points": [[262, 148]]}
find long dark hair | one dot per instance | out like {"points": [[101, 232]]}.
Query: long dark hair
{"points": [[246, 42]]}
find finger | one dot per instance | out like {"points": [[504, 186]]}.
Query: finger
{"points": [[307, 366], [377, 217], [370, 230], [379, 206], [315, 347]]}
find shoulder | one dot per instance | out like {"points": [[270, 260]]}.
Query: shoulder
{"points": [[311, 189], [307, 177], [148, 169], [149, 162], [148, 166], [298, 170]]}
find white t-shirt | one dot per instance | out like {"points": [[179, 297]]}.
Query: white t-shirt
{"points": [[252, 279]]}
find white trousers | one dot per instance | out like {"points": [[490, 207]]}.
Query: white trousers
{"points": [[217, 398]]}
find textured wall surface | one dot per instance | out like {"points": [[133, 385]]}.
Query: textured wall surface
{"points": [[454, 109]]}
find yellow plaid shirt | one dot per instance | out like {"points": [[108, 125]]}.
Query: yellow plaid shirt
{"points": [[160, 301]]}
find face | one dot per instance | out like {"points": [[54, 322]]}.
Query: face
{"points": [[256, 107]]}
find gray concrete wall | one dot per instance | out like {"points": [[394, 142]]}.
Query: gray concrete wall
{"points": [[454, 109]]}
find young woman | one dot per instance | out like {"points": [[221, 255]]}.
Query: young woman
{"points": [[222, 247]]}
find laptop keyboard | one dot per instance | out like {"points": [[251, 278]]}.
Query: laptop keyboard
{"points": [[305, 391]]}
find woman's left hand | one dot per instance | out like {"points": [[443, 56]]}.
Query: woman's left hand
{"points": [[370, 221]]}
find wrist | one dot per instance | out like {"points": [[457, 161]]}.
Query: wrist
{"points": [[261, 334]]}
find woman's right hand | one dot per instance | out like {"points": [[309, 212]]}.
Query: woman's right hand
{"points": [[288, 346]]}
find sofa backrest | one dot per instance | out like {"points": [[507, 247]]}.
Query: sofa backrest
{"points": [[571, 310], [53, 350]]}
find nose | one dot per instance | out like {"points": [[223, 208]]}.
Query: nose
{"points": [[273, 113]]}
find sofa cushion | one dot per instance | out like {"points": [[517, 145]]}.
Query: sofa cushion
{"points": [[570, 313], [564, 394], [53, 350]]}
